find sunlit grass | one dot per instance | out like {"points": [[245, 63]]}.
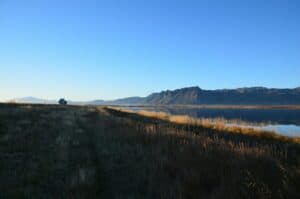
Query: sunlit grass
{"points": [[218, 124]]}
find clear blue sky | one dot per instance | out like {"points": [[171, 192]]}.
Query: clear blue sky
{"points": [[93, 49]]}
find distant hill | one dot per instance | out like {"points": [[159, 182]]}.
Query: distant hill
{"points": [[128, 101], [33, 100], [239, 96], [96, 102]]}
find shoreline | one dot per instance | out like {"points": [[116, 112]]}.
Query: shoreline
{"points": [[180, 106]]}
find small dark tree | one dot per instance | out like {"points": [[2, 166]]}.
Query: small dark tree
{"points": [[62, 101]]}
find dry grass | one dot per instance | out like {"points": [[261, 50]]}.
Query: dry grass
{"points": [[189, 161], [218, 124], [93, 152]]}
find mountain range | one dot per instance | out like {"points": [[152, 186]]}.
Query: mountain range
{"points": [[198, 96]]}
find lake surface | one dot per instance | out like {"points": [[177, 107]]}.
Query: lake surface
{"points": [[282, 121]]}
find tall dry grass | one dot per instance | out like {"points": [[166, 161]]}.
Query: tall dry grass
{"points": [[176, 160], [218, 124]]}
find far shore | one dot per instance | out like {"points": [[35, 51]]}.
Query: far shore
{"points": [[182, 106]]}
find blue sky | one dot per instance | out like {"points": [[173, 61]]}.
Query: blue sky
{"points": [[93, 49]]}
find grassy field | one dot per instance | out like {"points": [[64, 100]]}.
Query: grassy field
{"points": [[49, 151]]}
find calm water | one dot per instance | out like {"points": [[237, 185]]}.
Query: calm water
{"points": [[282, 121]]}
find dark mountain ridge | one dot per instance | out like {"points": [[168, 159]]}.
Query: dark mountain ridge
{"points": [[239, 96]]}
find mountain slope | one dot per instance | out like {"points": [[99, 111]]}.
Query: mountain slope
{"points": [[240, 96]]}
